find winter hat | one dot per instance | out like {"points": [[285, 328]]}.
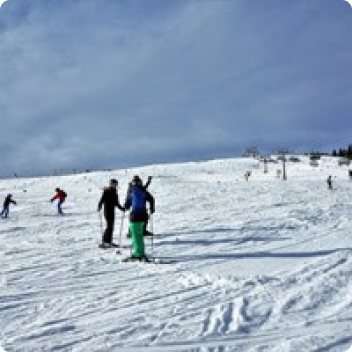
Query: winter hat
{"points": [[136, 180], [113, 182]]}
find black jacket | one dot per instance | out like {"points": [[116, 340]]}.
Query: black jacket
{"points": [[110, 200], [8, 200]]}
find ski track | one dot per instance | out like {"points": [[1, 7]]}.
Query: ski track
{"points": [[263, 265]]}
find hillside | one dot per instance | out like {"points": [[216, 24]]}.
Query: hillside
{"points": [[260, 265]]}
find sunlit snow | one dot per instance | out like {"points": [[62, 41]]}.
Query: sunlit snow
{"points": [[260, 265]]}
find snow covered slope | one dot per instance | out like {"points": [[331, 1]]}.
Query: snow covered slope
{"points": [[263, 265]]}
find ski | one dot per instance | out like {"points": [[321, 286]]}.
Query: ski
{"points": [[127, 260], [108, 245], [147, 260]]}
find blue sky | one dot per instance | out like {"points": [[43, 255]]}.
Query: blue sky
{"points": [[118, 83]]}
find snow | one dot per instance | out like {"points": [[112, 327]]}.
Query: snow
{"points": [[261, 265]]}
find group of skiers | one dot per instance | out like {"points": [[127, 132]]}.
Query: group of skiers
{"points": [[60, 195], [136, 201]]}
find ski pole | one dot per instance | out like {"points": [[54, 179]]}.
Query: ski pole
{"points": [[101, 224], [151, 230], [121, 228]]}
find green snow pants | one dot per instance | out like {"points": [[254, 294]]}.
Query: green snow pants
{"points": [[136, 230]]}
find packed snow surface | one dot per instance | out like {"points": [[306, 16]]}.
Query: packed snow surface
{"points": [[259, 265]]}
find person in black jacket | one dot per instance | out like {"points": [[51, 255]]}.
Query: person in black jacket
{"points": [[6, 209], [110, 200], [136, 200]]}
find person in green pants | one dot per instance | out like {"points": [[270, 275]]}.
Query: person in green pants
{"points": [[136, 200]]}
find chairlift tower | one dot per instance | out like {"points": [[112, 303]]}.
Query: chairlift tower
{"points": [[283, 153], [265, 162]]}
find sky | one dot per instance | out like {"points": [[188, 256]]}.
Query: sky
{"points": [[120, 83]]}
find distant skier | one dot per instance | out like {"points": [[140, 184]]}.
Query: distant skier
{"points": [[6, 207], [110, 200], [329, 182], [137, 197], [61, 196]]}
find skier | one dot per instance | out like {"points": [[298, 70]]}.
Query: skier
{"points": [[329, 182], [136, 179], [6, 209], [137, 197], [61, 196], [247, 175], [110, 200]]}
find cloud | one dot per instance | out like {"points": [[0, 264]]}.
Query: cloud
{"points": [[115, 82]]}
